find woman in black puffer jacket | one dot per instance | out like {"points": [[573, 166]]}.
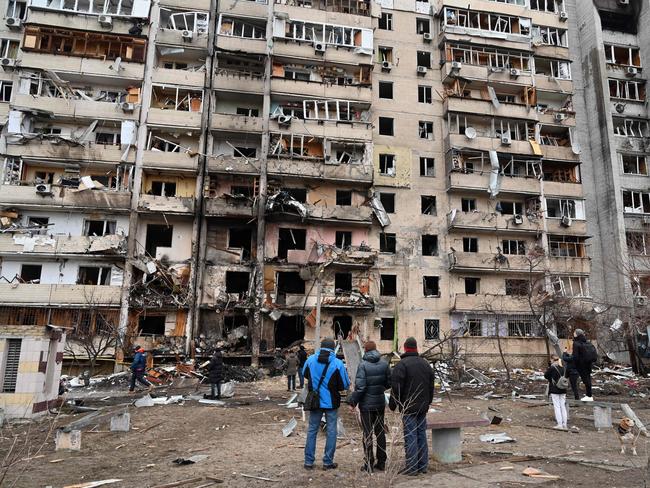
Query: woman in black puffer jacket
{"points": [[215, 373]]}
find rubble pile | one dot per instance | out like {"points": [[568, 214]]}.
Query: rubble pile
{"points": [[160, 285], [241, 374]]}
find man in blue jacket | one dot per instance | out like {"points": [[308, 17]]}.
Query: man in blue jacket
{"points": [[323, 365], [138, 368]]}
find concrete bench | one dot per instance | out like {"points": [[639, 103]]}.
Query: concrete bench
{"points": [[446, 440]]}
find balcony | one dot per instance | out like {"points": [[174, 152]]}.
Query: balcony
{"points": [[175, 37], [473, 182], [487, 302], [491, 222], [322, 90], [340, 213], [181, 161], [305, 50], [569, 265], [171, 205], [563, 153], [44, 149], [242, 44], [245, 8], [483, 262], [239, 82], [79, 21], [554, 52], [182, 4], [327, 129], [65, 197], [63, 107], [174, 118], [113, 245], [485, 107], [322, 13], [317, 169], [183, 77], [232, 165], [85, 67], [224, 206], [236, 123], [555, 188], [16, 294], [577, 227]]}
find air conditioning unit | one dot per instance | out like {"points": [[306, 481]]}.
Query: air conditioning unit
{"points": [[43, 189], [427, 37], [559, 117], [187, 35], [565, 221], [631, 71], [620, 107], [386, 65], [422, 70], [514, 72], [14, 23], [456, 65], [7, 63], [517, 219], [127, 107], [640, 300], [564, 16], [646, 220], [105, 20], [319, 47], [506, 140], [284, 119]]}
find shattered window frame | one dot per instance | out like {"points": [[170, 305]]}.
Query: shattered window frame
{"points": [[425, 129], [430, 245], [386, 21], [427, 166], [431, 286], [431, 329], [634, 164], [387, 166], [386, 126], [6, 89], [387, 329], [428, 205], [17, 9], [388, 281], [468, 204], [474, 327], [472, 282], [387, 242]]}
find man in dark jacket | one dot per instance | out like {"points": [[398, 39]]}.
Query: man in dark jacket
{"points": [[215, 373], [292, 369], [372, 379], [572, 373], [302, 359], [582, 361], [327, 374], [412, 383], [138, 367]]}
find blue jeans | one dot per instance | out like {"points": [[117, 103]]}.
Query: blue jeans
{"points": [[415, 442], [331, 416], [301, 376]]}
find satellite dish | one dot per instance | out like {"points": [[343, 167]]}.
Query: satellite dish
{"points": [[470, 132], [575, 147]]}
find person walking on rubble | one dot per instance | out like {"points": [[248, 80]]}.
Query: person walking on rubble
{"points": [[292, 369], [302, 358], [584, 356], [557, 391], [371, 381], [215, 373], [138, 367], [326, 375], [412, 383]]}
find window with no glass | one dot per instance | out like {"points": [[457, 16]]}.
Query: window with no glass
{"points": [[386, 21], [386, 89], [386, 126]]}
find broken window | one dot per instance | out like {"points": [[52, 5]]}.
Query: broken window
{"points": [[485, 21], [497, 59], [560, 207], [84, 44], [388, 285], [627, 90], [242, 190], [342, 325], [553, 68], [343, 239], [634, 164], [387, 164], [386, 126], [424, 59], [344, 197], [125, 8], [99, 227], [550, 36], [167, 97], [425, 129], [298, 194], [636, 201], [8, 48], [40, 224], [431, 329], [237, 282], [385, 54], [328, 34], [337, 110], [290, 282], [522, 328], [571, 286], [386, 89], [553, 6], [11, 365], [386, 21], [387, 330], [387, 242], [152, 325], [16, 9], [244, 152], [638, 243], [31, 273], [424, 94], [388, 201], [422, 26], [474, 327], [623, 55], [515, 287], [288, 330], [431, 285], [163, 188], [6, 87], [108, 138], [428, 205], [470, 244], [92, 275], [185, 21], [513, 246], [342, 283], [429, 245], [236, 27], [158, 236], [510, 208], [291, 239], [567, 246], [472, 286], [630, 127], [240, 238], [427, 166], [468, 204]]}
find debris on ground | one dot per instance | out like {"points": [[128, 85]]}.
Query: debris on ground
{"points": [[499, 438], [190, 460], [288, 429]]}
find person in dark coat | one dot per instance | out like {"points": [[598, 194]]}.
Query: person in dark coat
{"points": [[302, 359], [571, 372], [583, 362], [558, 395], [138, 368], [292, 369], [371, 381], [215, 373], [412, 383]]}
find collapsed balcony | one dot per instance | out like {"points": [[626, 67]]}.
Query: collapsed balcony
{"points": [[485, 24], [171, 149], [229, 287], [175, 106], [231, 197], [235, 153], [241, 73], [157, 284], [179, 64]]}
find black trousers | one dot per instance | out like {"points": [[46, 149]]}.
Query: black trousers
{"points": [[291, 382], [573, 379], [585, 376], [139, 376], [215, 387], [372, 422]]}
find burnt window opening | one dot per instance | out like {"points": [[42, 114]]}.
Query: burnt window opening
{"points": [[386, 126], [474, 327], [288, 330], [151, 325], [431, 329], [431, 286], [472, 286], [31, 273], [470, 244], [429, 245], [40, 222], [248, 112], [388, 201], [344, 197], [388, 285], [427, 167], [342, 283], [163, 188], [240, 238], [620, 22], [422, 26], [291, 239], [244, 152], [232, 322], [244, 190], [510, 208], [425, 129], [386, 90], [517, 288], [99, 227], [298, 194], [342, 325], [387, 242], [468, 204], [387, 164], [92, 275], [387, 331], [237, 282], [424, 59], [428, 205], [343, 239], [290, 282], [158, 236]]}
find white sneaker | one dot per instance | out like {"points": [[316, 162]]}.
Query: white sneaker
{"points": [[558, 427], [587, 399]]}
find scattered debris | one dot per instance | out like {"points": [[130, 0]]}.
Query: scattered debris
{"points": [[288, 429], [145, 401], [68, 439], [190, 460], [121, 422], [536, 473], [258, 477], [93, 484], [499, 438]]}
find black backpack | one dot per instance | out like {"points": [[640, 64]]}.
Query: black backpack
{"points": [[591, 354]]}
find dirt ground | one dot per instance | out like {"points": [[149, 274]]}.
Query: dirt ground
{"points": [[244, 437]]}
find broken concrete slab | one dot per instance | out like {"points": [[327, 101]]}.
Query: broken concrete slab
{"points": [[121, 422], [145, 401], [208, 401], [602, 417], [67, 440], [499, 438]]}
